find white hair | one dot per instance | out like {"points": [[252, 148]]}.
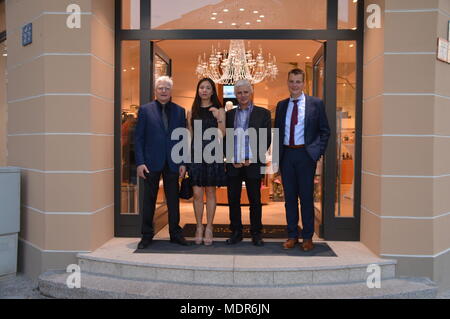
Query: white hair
{"points": [[243, 83], [165, 79]]}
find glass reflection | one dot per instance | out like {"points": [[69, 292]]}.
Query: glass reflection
{"points": [[345, 135], [347, 13], [130, 105], [238, 14]]}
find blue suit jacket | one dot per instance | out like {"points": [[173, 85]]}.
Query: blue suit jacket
{"points": [[317, 130], [153, 143]]}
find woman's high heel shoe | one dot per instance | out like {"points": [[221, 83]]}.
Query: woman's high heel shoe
{"points": [[208, 240], [199, 235]]}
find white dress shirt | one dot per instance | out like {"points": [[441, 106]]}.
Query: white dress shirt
{"points": [[299, 133]]}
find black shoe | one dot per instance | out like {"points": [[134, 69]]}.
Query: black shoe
{"points": [[180, 240], [144, 243], [257, 241], [236, 237]]}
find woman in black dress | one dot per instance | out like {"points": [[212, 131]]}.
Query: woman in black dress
{"points": [[205, 177]]}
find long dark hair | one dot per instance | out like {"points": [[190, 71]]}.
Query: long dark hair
{"points": [[198, 101]]}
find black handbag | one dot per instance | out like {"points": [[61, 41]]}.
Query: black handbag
{"points": [[186, 190]]}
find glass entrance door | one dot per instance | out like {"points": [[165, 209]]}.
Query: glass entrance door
{"points": [[135, 92]]}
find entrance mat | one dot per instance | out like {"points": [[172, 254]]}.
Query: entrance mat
{"points": [[223, 231], [244, 248]]}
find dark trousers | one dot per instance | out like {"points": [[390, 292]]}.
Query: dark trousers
{"points": [[297, 173], [171, 190], [253, 186]]}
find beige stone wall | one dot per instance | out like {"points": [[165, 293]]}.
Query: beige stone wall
{"points": [[60, 131], [406, 145]]}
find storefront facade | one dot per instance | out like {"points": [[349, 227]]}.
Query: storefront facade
{"points": [[67, 92]]}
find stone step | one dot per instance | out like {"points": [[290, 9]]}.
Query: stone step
{"points": [[118, 258], [264, 274], [53, 284]]}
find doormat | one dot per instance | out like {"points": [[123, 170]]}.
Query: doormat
{"points": [[223, 231], [244, 248]]}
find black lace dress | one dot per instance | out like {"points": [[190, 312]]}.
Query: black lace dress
{"points": [[203, 174]]}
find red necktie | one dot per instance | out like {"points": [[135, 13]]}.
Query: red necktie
{"points": [[294, 120]]}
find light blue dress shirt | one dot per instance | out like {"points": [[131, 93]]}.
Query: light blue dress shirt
{"points": [[299, 133]]}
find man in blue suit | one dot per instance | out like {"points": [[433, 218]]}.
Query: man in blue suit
{"points": [[156, 122], [303, 137]]}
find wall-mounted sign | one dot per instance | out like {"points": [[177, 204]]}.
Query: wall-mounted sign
{"points": [[442, 52], [27, 34]]}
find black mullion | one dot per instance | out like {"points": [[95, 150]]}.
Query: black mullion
{"points": [[332, 14], [239, 34], [358, 119], [329, 193], [145, 14], [117, 120]]}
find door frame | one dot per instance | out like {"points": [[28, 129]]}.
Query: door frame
{"points": [[334, 228]]}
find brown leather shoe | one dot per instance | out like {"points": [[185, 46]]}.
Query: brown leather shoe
{"points": [[290, 243], [307, 245]]}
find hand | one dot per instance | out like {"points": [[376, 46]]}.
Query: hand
{"points": [[182, 171], [141, 170], [237, 165], [247, 163], [219, 114]]}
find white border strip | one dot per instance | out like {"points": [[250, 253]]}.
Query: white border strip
{"points": [[405, 217], [9, 69], [32, 20], [409, 53], [406, 135], [403, 176], [59, 94], [53, 251], [67, 213], [66, 172], [58, 134], [418, 256]]}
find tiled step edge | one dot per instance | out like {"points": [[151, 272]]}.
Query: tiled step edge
{"points": [[237, 277], [53, 284]]}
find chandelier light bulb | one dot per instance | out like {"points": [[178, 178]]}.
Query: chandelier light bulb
{"points": [[227, 67]]}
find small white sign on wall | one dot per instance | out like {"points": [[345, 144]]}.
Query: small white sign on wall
{"points": [[443, 50]]}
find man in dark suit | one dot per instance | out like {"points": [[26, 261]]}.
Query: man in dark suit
{"points": [[245, 163], [303, 137], [156, 122]]}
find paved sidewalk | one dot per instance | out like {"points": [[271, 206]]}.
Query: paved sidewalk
{"points": [[22, 287]]}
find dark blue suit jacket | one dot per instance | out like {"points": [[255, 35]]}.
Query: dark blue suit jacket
{"points": [[317, 130], [153, 142]]}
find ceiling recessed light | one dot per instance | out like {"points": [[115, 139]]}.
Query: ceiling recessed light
{"points": [[261, 16], [351, 45], [214, 13], [233, 23], [220, 22], [247, 23], [124, 70], [241, 9], [308, 57], [132, 68], [354, 28], [258, 20], [225, 10], [255, 11], [213, 18], [298, 54], [355, 1]]}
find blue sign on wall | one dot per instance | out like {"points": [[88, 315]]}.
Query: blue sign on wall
{"points": [[27, 34]]}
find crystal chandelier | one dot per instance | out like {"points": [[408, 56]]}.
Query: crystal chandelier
{"points": [[227, 67]]}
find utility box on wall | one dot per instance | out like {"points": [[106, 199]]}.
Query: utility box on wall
{"points": [[9, 219]]}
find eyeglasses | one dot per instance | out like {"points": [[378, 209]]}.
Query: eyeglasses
{"points": [[163, 88]]}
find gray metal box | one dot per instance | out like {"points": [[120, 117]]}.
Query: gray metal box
{"points": [[9, 218]]}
